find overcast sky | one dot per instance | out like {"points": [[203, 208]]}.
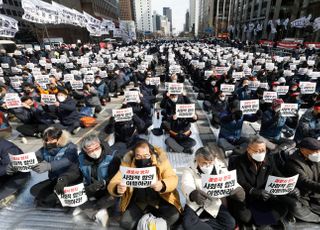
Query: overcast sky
{"points": [[179, 8]]}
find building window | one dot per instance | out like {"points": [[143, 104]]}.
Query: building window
{"points": [[14, 13], [8, 12], [15, 3], [5, 1], [10, 2], [2, 11]]}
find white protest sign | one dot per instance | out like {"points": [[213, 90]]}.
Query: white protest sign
{"points": [[88, 79], [257, 67], [307, 87], [132, 96], [249, 106], [293, 66], [76, 84], [68, 77], [208, 73], [269, 66], [238, 75], [73, 196], [282, 89], [185, 110], [5, 65], [138, 177], [175, 88], [253, 85], [12, 100], [227, 88], [289, 109], [281, 185], [269, 96], [221, 70], [221, 185], [23, 162], [122, 114], [154, 80], [247, 71], [42, 79], [48, 99]]}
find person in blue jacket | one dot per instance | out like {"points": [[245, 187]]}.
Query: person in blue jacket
{"points": [[56, 156], [98, 163], [11, 180]]}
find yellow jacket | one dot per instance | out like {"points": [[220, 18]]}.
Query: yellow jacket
{"points": [[165, 173]]}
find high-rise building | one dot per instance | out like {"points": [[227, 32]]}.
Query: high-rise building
{"points": [[126, 10], [143, 16], [194, 17], [187, 23], [167, 11], [108, 9], [246, 12], [156, 21]]}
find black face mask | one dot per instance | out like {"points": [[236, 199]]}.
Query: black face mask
{"points": [[142, 163], [51, 146]]}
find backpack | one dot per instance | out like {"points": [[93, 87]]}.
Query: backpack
{"points": [[150, 222], [87, 122]]}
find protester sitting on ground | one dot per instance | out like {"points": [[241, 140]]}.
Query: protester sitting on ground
{"points": [[203, 211], [55, 157], [102, 88], [253, 169], [34, 120], [161, 199], [11, 180], [306, 163], [66, 111]]}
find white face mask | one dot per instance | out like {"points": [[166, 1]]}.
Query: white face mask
{"points": [[174, 81], [222, 98], [61, 98], [213, 83], [147, 82], [315, 157], [258, 156], [207, 169], [175, 99], [96, 154], [98, 81]]}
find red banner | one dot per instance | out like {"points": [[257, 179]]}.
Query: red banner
{"points": [[266, 42], [287, 45], [316, 44]]}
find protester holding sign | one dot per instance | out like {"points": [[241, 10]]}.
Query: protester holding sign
{"points": [[253, 169], [55, 157], [309, 124], [11, 180], [162, 197], [34, 120], [203, 211], [306, 163]]}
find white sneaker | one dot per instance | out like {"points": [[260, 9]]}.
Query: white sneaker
{"points": [[102, 217], [76, 211]]}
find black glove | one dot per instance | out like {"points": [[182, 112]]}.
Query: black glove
{"points": [[42, 167], [295, 193], [237, 115], [199, 196], [260, 194], [61, 183], [10, 170], [95, 186]]}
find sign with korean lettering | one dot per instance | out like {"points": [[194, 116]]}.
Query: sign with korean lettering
{"points": [[221, 70], [138, 177], [281, 185], [249, 106], [132, 96], [269, 96], [68, 77], [269, 66], [48, 99], [12, 100], [289, 109], [73, 196], [208, 73], [185, 110], [88, 79], [23, 162], [227, 88], [76, 84], [122, 114], [154, 80], [238, 75], [307, 87], [175, 88], [219, 186], [282, 89], [253, 85], [42, 79]]}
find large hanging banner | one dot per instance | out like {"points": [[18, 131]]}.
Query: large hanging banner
{"points": [[66, 15], [39, 12], [8, 26], [128, 30], [93, 25]]}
